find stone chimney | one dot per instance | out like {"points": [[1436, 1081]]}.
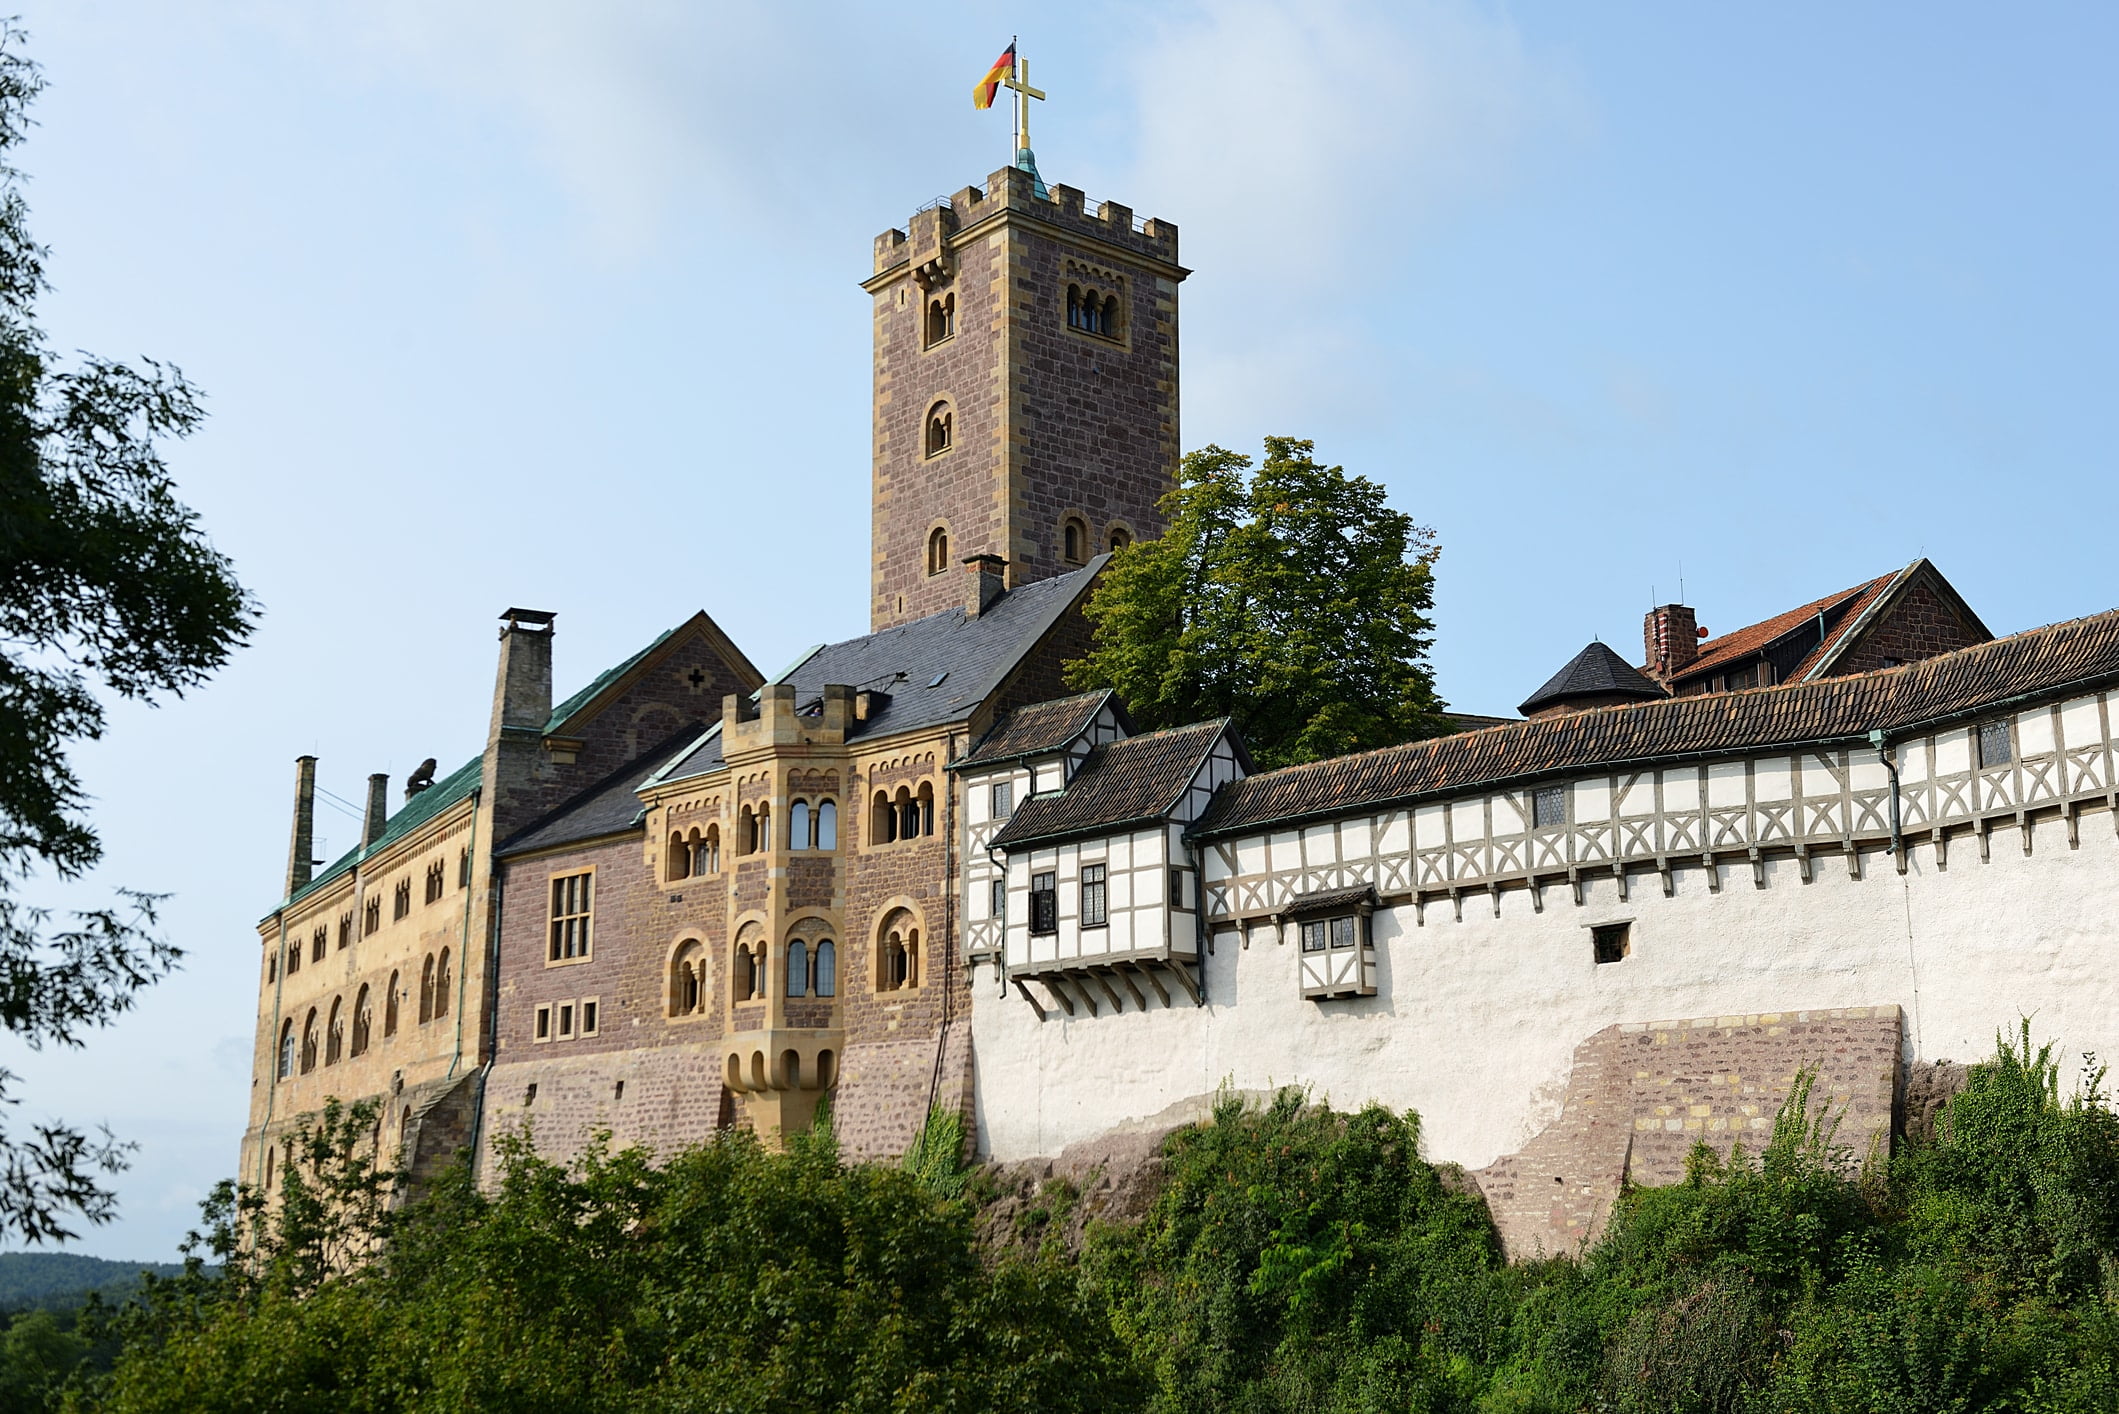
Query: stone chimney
{"points": [[1671, 638], [378, 813], [302, 849], [522, 704], [989, 581]]}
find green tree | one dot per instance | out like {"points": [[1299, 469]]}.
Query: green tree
{"points": [[105, 579], [1293, 600]]}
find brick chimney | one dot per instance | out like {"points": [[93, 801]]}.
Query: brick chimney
{"points": [[378, 813], [1670, 635], [522, 704], [989, 581], [302, 849]]}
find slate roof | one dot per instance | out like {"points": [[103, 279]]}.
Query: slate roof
{"points": [[934, 670], [1596, 671], [449, 790], [611, 806], [1130, 781], [1038, 728], [2041, 663]]}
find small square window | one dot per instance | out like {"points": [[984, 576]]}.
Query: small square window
{"points": [[1548, 807], [1611, 941], [997, 900], [1093, 896], [544, 1023], [1003, 799], [1994, 744]]}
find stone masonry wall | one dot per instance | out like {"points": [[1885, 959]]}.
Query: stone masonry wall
{"points": [[1921, 625], [1640, 1096]]}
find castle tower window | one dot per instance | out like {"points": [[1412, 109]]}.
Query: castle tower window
{"points": [[744, 975], [401, 899], [908, 816], [1994, 744], [897, 953], [272, 966], [345, 929], [678, 865], [372, 915], [827, 824], [390, 1009], [1108, 326], [798, 825], [309, 1042], [294, 957], [883, 822], [941, 319], [317, 943], [463, 868], [286, 1048], [1044, 903], [798, 968], [941, 429], [1120, 538], [426, 990], [441, 985], [1074, 306], [937, 551], [1074, 538], [711, 846], [827, 969], [335, 1033], [1093, 895], [925, 803], [363, 1023], [687, 979], [571, 900]]}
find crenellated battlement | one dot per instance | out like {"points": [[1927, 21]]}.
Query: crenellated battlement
{"points": [[1011, 189]]}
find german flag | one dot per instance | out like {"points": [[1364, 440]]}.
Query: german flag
{"points": [[982, 92]]}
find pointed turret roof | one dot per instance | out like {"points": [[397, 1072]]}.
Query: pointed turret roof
{"points": [[1595, 672]]}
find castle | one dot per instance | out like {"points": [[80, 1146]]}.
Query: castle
{"points": [[910, 871]]}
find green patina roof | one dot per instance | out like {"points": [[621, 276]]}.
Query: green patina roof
{"points": [[450, 790]]}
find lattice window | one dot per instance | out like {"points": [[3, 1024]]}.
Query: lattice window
{"points": [[571, 904], [1003, 797], [1093, 896], [1548, 807], [1994, 749], [1044, 903]]}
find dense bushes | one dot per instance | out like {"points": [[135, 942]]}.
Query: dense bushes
{"points": [[1294, 1260]]}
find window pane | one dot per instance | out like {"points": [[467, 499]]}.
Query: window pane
{"points": [[798, 969], [1003, 800], [827, 969], [1342, 932], [1994, 744], [1313, 937], [1548, 807]]}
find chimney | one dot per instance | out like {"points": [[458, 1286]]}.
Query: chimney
{"points": [[522, 704], [378, 809], [303, 846], [989, 581], [1671, 637]]}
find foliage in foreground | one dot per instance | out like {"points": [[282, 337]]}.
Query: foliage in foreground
{"points": [[1292, 599], [1295, 1259]]}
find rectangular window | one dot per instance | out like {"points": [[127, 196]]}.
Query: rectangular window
{"points": [[1092, 896], [1743, 678], [345, 929], [463, 869], [588, 1017], [1611, 942], [566, 1020], [371, 916], [1548, 807], [1044, 904], [1342, 932], [317, 941], [1003, 800], [544, 1023], [1994, 744], [997, 904], [570, 917], [401, 899], [1178, 894], [1314, 935]]}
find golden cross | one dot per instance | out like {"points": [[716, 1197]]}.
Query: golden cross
{"points": [[1020, 82]]}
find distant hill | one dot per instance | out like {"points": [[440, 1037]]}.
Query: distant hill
{"points": [[64, 1279]]}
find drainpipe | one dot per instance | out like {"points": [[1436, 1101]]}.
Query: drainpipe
{"points": [[1890, 760], [1202, 936], [999, 860]]}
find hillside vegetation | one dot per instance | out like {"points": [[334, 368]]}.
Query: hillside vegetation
{"points": [[1292, 1259]]}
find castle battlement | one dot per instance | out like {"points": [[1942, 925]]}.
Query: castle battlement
{"points": [[1013, 190]]}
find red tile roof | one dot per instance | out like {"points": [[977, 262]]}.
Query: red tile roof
{"points": [[1731, 648]]}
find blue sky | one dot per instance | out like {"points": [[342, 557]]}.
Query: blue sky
{"points": [[555, 305]]}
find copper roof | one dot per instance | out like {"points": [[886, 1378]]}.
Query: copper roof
{"points": [[1121, 783], [2042, 662]]}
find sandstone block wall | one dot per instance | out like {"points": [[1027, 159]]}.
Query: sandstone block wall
{"points": [[1641, 1095]]}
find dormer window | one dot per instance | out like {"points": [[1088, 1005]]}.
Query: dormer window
{"points": [[941, 429], [941, 319]]}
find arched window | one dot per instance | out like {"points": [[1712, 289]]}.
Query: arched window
{"points": [[798, 968], [286, 1048], [745, 974], [441, 986], [798, 825], [309, 1042], [679, 863], [941, 318], [390, 1008], [294, 958], [924, 801], [1072, 539], [335, 1033], [937, 550], [1108, 325], [908, 815], [1074, 307], [426, 990], [363, 1023], [940, 429], [712, 847], [827, 969], [883, 828], [897, 953], [1120, 538], [687, 979], [827, 824]]}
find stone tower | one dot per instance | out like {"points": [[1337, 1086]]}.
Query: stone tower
{"points": [[1025, 388]]}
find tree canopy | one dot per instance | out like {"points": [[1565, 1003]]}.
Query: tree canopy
{"points": [[1291, 599], [106, 581]]}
